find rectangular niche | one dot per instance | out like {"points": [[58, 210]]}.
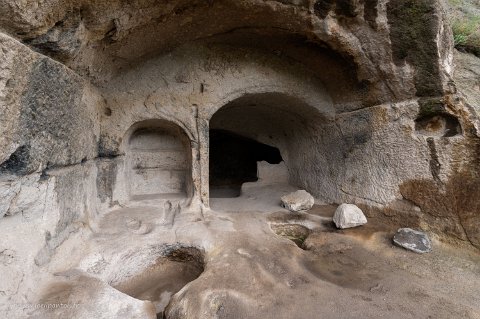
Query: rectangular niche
{"points": [[158, 162]]}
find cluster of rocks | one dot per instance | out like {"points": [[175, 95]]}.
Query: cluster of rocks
{"points": [[350, 216], [346, 215]]}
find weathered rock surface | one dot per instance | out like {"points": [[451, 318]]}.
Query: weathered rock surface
{"points": [[467, 77], [82, 296], [189, 280], [48, 117], [111, 104], [348, 216], [298, 201], [413, 240]]}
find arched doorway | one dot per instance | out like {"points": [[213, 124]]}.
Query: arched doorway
{"points": [[263, 137], [233, 161], [158, 161]]}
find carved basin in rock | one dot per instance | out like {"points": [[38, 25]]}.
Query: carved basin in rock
{"points": [[161, 280]]}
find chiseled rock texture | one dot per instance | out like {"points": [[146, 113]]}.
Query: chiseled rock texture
{"points": [[363, 99], [348, 216]]}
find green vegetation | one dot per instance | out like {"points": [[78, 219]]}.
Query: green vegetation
{"points": [[465, 20], [465, 31]]}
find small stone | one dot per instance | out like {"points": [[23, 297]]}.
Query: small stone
{"points": [[413, 240], [298, 201], [348, 216]]}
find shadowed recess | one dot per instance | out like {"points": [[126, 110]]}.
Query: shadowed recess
{"points": [[233, 161]]}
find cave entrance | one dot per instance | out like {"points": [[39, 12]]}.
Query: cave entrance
{"points": [[264, 138], [233, 161], [158, 161]]}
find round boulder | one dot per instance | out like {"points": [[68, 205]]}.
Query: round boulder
{"points": [[298, 201]]}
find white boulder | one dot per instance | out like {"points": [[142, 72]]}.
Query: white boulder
{"points": [[348, 216], [298, 201]]}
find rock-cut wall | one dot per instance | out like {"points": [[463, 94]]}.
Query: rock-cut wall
{"points": [[357, 95], [48, 128]]}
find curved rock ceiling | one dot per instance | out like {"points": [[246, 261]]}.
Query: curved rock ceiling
{"points": [[357, 96], [101, 38]]}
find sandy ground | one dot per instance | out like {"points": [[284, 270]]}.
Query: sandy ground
{"points": [[249, 258]]}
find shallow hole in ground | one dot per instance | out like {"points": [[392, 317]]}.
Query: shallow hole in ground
{"points": [[343, 261], [168, 275], [294, 232]]}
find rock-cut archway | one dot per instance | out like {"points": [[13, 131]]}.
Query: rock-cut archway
{"points": [[158, 161], [263, 137]]}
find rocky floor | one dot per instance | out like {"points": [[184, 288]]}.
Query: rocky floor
{"points": [[249, 258]]}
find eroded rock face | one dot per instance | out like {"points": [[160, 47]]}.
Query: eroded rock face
{"points": [[103, 103]]}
